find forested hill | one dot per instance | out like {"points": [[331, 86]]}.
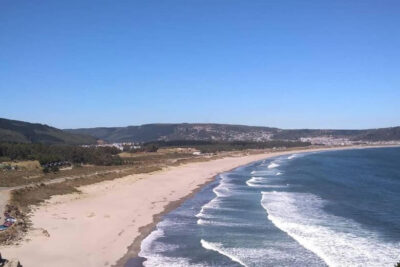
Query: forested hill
{"points": [[227, 132], [182, 131], [25, 132]]}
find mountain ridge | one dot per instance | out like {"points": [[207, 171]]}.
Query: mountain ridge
{"points": [[15, 131], [229, 132], [25, 132]]}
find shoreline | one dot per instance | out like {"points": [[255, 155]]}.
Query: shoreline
{"points": [[69, 230], [134, 248]]}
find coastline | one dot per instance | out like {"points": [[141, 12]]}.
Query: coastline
{"points": [[134, 248], [70, 229]]}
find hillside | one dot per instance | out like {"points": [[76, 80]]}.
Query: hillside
{"points": [[184, 131], [371, 135], [25, 132], [226, 132]]}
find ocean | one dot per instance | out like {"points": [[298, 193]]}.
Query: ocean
{"points": [[332, 208]]}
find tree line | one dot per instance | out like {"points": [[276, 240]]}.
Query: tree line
{"points": [[46, 154], [53, 153], [205, 146]]}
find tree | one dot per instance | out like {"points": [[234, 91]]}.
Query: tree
{"points": [[151, 148]]}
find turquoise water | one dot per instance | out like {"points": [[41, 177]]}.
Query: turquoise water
{"points": [[336, 208]]}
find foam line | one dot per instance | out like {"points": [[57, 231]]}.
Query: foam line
{"points": [[257, 182], [336, 240], [218, 248], [273, 165]]}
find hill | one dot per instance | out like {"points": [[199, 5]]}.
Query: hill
{"points": [[184, 131], [25, 132], [227, 132]]}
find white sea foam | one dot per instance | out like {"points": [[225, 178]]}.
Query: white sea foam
{"points": [[271, 255], [215, 222], [213, 204], [158, 260], [152, 250], [299, 155], [264, 172], [224, 189], [254, 181], [148, 241], [336, 240], [279, 173], [221, 250], [273, 165], [260, 182]]}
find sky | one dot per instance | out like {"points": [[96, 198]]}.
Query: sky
{"points": [[288, 64]]}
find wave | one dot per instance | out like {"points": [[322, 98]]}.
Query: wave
{"points": [[162, 261], [279, 173], [217, 247], [219, 223], [158, 260], [153, 250], [273, 165], [214, 204], [222, 190], [266, 172], [147, 243], [336, 240], [259, 182], [254, 181], [299, 155]]}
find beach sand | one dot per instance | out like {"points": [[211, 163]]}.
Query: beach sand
{"points": [[109, 219]]}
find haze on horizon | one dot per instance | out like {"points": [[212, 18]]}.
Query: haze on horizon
{"points": [[286, 64]]}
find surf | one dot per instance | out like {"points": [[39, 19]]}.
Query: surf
{"points": [[273, 165], [336, 240], [259, 182], [219, 248]]}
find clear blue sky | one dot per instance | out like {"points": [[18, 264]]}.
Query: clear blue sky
{"points": [[289, 64]]}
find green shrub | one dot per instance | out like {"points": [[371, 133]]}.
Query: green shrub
{"points": [[54, 169]]}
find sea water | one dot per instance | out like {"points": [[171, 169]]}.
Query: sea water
{"points": [[334, 208]]}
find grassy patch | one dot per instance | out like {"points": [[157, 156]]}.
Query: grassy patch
{"points": [[23, 198]]}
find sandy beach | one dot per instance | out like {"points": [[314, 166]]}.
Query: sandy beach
{"points": [[109, 219]]}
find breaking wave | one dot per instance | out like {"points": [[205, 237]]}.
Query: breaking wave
{"points": [[260, 183], [273, 165], [217, 247], [336, 240]]}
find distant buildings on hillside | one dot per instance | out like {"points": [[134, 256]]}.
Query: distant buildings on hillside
{"points": [[334, 141]]}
